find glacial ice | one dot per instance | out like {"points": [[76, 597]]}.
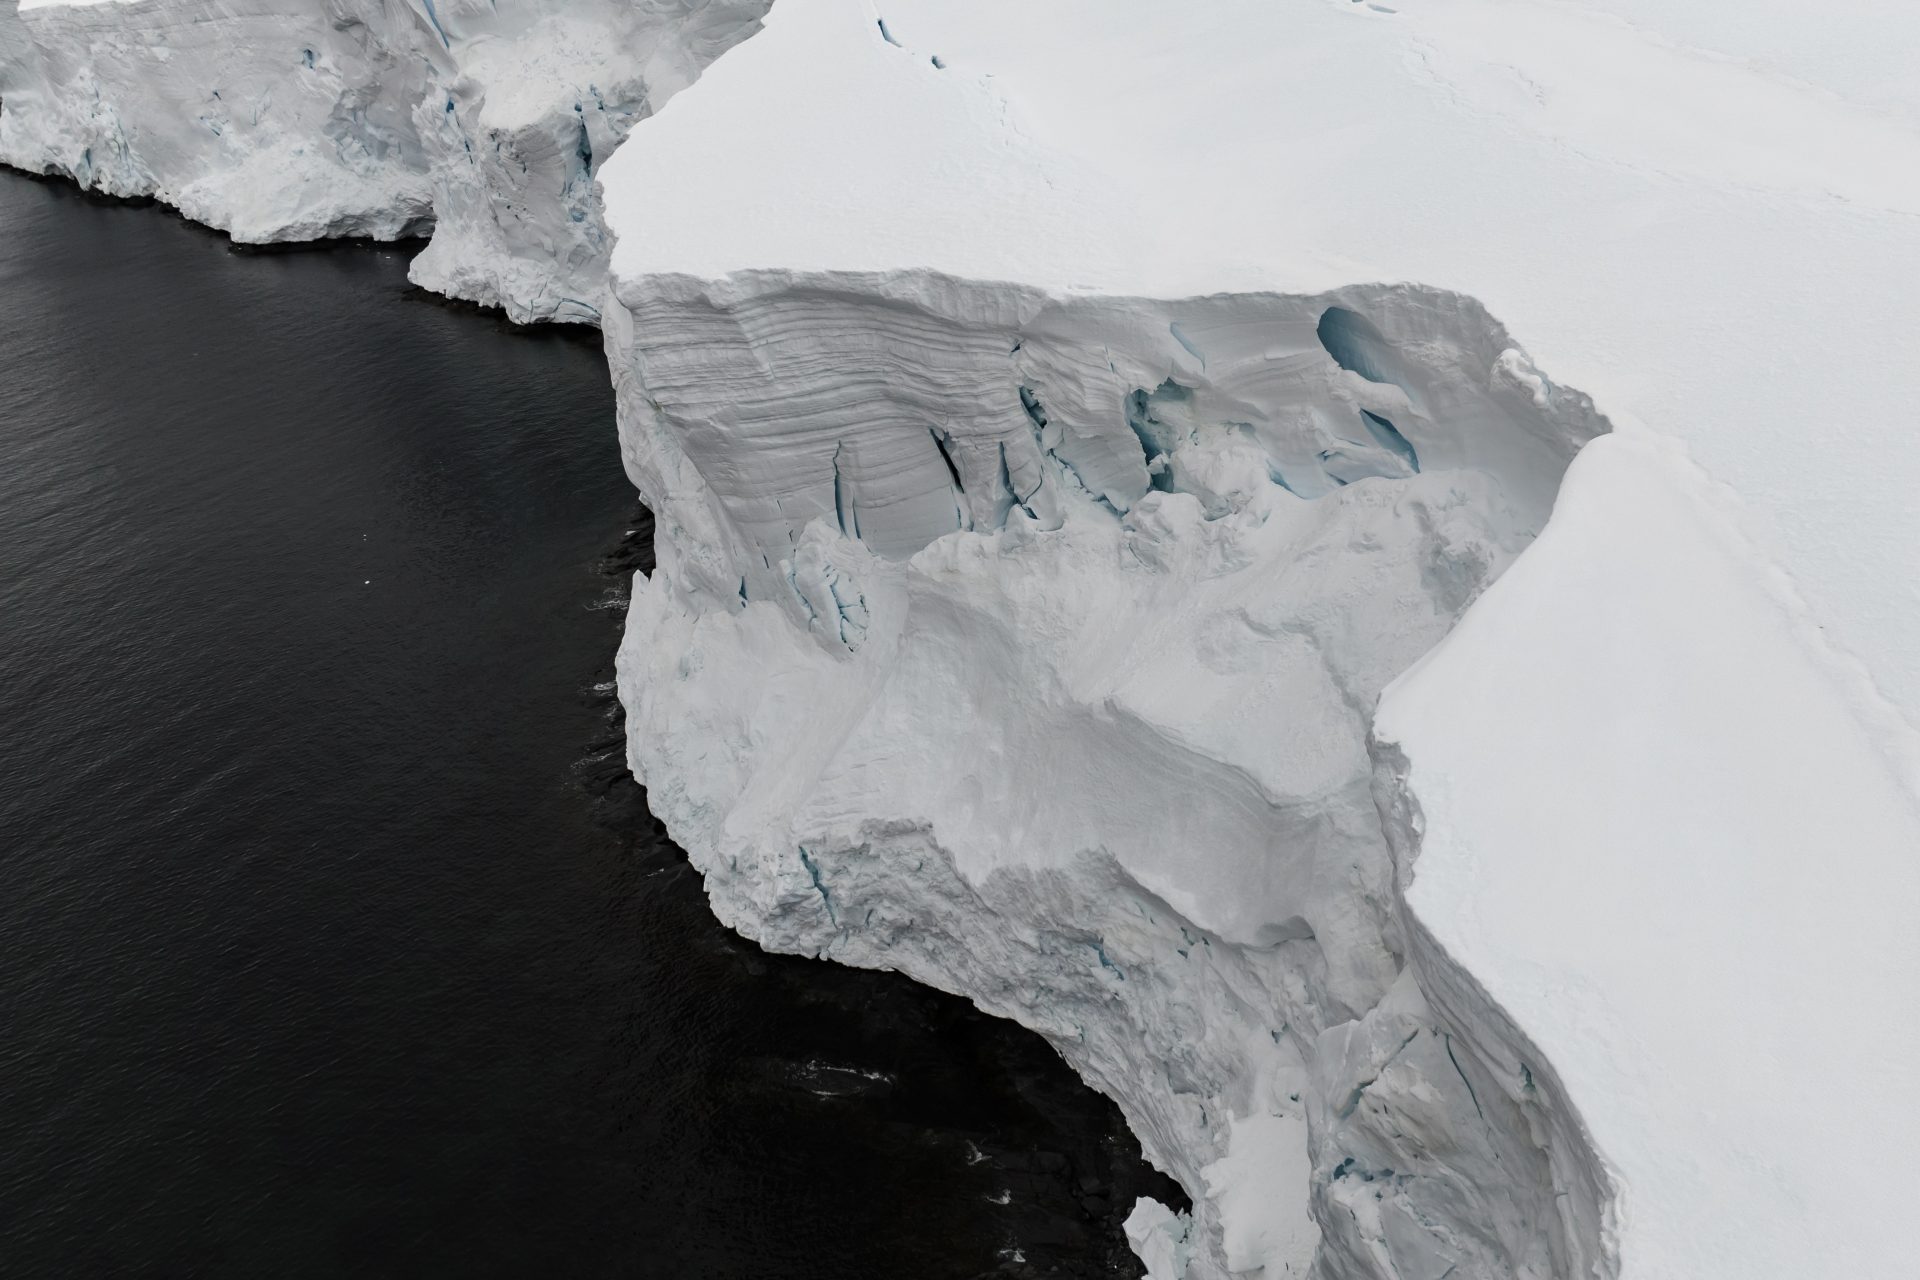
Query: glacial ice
{"points": [[1468, 834], [483, 124]]}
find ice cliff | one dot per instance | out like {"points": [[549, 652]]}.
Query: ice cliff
{"points": [[1029, 646], [1348, 563], [480, 123]]}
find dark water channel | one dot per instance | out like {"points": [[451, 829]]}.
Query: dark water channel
{"points": [[334, 938]]}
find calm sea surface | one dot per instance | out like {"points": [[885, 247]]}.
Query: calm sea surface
{"points": [[334, 938]]}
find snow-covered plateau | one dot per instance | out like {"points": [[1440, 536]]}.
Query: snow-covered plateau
{"points": [[1353, 565]]}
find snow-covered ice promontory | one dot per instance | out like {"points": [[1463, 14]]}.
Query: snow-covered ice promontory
{"points": [[1048, 491]]}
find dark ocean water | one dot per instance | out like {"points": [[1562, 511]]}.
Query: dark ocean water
{"points": [[334, 938]]}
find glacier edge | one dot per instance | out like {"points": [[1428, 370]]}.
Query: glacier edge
{"points": [[1054, 465], [480, 126]]}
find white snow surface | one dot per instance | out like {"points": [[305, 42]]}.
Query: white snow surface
{"points": [[1696, 897], [1600, 970]]}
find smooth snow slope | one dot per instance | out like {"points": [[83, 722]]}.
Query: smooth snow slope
{"points": [[909, 654], [1727, 984], [274, 121]]}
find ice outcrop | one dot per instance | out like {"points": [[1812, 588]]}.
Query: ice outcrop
{"points": [[483, 124], [1029, 645]]}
